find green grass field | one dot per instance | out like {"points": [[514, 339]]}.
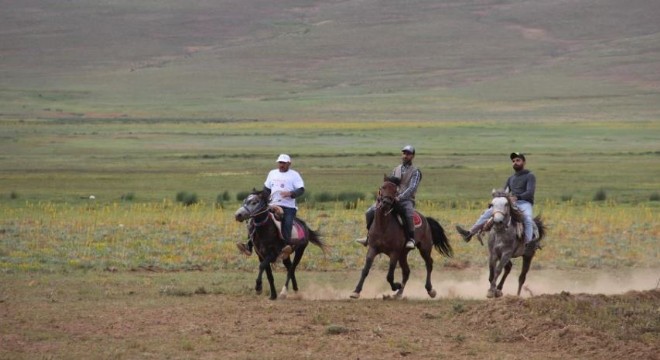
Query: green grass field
{"points": [[136, 103], [51, 224]]}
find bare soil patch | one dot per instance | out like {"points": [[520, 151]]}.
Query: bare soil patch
{"points": [[149, 315]]}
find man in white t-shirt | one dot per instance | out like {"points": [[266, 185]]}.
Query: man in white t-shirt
{"points": [[283, 185]]}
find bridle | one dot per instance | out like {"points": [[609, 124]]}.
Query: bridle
{"points": [[258, 210], [506, 214], [387, 200]]}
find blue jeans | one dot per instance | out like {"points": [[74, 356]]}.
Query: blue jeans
{"points": [[528, 218], [287, 223]]}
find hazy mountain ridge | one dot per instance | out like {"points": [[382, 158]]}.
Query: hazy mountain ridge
{"points": [[318, 59]]}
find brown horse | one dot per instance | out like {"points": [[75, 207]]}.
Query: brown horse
{"points": [[387, 236], [268, 243], [505, 243]]}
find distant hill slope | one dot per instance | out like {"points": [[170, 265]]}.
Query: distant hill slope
{"points": [[332, 59]]}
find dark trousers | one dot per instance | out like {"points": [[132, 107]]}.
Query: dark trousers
{"points": [[287, 222]]}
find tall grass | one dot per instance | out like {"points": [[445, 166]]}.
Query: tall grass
{"points": [[47, 236]]}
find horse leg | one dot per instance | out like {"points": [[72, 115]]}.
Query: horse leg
{"points": [[428, 260], [258, 288], [405, 272], [492, 277], [507, 270], [285, 288], [527, 261], [271, 282], [506, 258], [291, 271], [264, 265], [371, 254]]}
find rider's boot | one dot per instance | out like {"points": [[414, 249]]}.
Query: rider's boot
{"points": [[285, 253], [410, 244], [245, 248], [370, 219], [467, 235], [530, 248]]}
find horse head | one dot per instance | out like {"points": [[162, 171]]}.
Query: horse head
{"points": [[254, 204], [387, 192], [501, 205]]}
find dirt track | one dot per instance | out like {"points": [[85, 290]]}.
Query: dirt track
{"points": [[136, 318]]}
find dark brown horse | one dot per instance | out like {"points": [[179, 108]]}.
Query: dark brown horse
{"points": [[506, 242], [387, 236], [268, 243]]}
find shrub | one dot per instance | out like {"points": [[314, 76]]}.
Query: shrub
{"points": [[225, 196], [353, 196], [186, 198], [600, 195], [13, 195], [128, 196], [219, 202], [324, 196], [566, 197], [242, 195], [654, 197]]}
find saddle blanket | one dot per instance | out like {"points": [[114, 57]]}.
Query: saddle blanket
{"points": [[417, 219], [297, 230]]}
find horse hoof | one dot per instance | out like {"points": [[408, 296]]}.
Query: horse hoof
{"points": [[498, 293], [355, 295], [432, 293], [490, 294], [283, 293]]}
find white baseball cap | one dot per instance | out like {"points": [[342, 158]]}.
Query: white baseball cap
{"points": [[284, 158]]}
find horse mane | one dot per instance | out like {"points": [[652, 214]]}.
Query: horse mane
{"points": [[393, 179], [516, 215]]}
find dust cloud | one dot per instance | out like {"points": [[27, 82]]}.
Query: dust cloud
{"points": [[473, 284]]}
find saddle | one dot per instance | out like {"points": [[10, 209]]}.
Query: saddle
{"points": [[417, 219], [297, 231]]}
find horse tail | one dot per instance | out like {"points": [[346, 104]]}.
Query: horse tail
{"points": [[542, 228], [313, 236], [440, 240]]}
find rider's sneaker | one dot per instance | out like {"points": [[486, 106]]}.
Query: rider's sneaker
{"points": [[410, 244], [467, 235], [530, 248], [244, 249], [286, 251], [364, 241]]}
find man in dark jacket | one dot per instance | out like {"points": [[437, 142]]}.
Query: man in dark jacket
{"points": [[522, 185]]}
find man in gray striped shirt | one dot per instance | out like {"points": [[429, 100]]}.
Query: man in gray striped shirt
{"points": [[405, 201]]}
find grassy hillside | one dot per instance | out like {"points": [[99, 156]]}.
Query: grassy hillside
{"points": [[331, 60]]}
